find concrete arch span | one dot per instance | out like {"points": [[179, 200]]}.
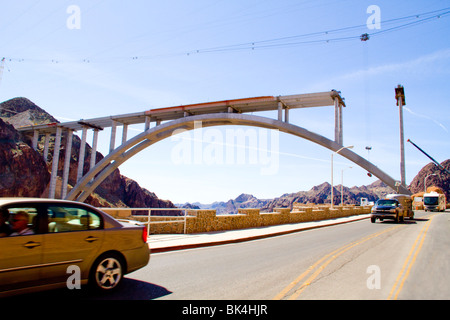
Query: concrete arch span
{"points": [[144, 140]]}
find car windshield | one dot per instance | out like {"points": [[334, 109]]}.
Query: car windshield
{"points": [[430, 200], [387, 202]]}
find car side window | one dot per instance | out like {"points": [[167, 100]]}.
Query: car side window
{"points": [[19, 221], [67, 218]]}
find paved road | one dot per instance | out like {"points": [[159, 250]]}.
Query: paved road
{"points": [[367, 261], [357, 260]]}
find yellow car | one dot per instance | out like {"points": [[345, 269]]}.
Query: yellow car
{"points": [[46, 244]]}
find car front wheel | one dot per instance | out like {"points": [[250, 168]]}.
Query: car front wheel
{"points": [[107, 272]]}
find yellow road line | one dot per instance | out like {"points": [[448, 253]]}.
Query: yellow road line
{"points": [[336, 253], [304, 274], [409, 262]]}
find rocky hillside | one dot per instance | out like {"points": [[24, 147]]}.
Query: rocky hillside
{"points": [[436, 177], [21, 112], [229, 207], [319, 194], [322, 194], [23, 171]]}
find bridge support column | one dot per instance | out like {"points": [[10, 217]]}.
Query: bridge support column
{"points": [[147, 123], [65, 179], [55, 162], [280, 111], [341, 125], [338, 132], [112, 141], [282, 107], [124, 133], [94, 148], [81, 154], [35, 139], [46, 143]]}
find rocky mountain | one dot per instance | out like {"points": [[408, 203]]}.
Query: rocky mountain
{"points": [[436, 177], [23, 172], [319, 194], [322, 194], [229, 207], [21, 112]]}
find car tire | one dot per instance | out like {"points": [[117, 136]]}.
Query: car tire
{"points": [[373, 220], [106, 272]]}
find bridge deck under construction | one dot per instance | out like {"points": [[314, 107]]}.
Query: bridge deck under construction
{"points": [[246, 105]]}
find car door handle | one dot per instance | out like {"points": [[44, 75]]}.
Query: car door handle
{"points": [[31, 244], [91, 239]]}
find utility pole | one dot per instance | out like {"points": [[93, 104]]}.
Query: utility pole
{"points": [[400, 96], [332, 173]]}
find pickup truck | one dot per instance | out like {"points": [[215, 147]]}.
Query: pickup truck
{"points": [[394, 206]]}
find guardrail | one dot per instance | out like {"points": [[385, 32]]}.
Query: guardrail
{"points": [[149, 222]]}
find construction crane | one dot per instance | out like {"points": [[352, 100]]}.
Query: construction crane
{"points": [[435, 162]]}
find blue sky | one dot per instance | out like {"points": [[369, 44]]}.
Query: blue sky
{"points": [[113, 57]]}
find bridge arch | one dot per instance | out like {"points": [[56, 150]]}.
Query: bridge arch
{"points": [[163, 131]]}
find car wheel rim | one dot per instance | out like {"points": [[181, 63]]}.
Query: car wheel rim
{"points": [[108, 273]]}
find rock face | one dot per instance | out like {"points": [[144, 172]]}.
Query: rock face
{"points": [[21, 112], [436, 177], [23, 172]]}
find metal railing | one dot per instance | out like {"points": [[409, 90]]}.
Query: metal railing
{"points": [[182, 218]]}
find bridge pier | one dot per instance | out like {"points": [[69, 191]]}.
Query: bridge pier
{"points": [[46, 143], [281, 107], [94, 149], [81, 154], [55, 162], [338, 122], [65, 178], [34, 141], [112, 141]]}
